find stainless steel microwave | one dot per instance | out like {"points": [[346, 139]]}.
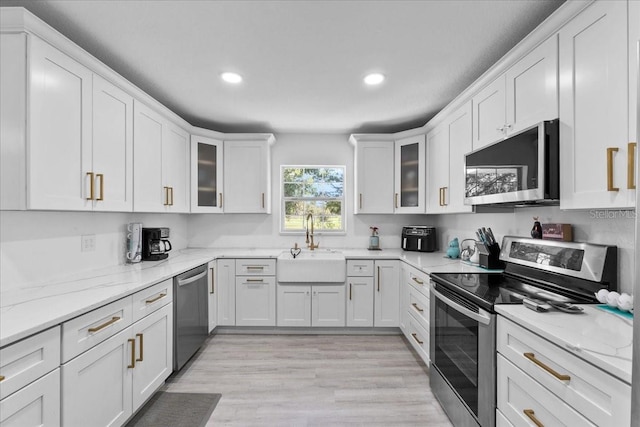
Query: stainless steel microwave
{"points": [[521, 169]]}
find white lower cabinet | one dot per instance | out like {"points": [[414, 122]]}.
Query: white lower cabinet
{"points": [[37, 404], [360, 301], [386, 309], [415, 306], [311, 305], [226, 281], [213, 297], [256, 301]]}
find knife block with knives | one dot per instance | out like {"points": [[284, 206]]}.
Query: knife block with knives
{"points": [[488, 250]]}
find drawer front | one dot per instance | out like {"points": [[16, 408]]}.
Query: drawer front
{"points": [[597, 395], [83, 332], [27, 360], [418, 337], [359, 267], [418, 279], [418, 305], [37, 404], [151, 299], [521, 400], [255, 267]]}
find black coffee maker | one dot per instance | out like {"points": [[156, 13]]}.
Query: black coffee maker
{"points": [[155, 244]]}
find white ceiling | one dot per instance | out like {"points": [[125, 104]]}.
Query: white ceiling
{"points": [[302, 61]]}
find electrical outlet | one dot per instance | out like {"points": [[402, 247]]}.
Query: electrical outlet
{"points": [[88, 242]]}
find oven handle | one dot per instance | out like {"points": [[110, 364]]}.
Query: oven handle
{"points": [[482, 317]]}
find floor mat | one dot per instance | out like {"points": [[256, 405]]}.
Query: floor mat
{"points": [[176, 410]]}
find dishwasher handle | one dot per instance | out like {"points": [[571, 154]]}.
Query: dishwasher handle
{"points": [[182, 282]]}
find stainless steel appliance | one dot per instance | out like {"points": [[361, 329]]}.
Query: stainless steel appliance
{"points": [[420, 238], [463, 320], [521, 169], [190, 314], [155, 244]]}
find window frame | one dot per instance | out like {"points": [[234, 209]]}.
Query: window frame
{"points": [[342, 200]]}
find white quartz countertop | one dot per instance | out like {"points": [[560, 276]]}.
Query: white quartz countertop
{"points": [[602, 338], [34, 307]]}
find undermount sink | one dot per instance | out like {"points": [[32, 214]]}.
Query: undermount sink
{"points": [[318, 266]]}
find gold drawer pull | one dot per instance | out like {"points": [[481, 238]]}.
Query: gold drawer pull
{"points": [[1, 377], [166, 196], [532, 357], [631, 162], [254, 280], [360, 201], [113, 320], [415, 337], [444, 196], [396, 200], [610, 152], [141, 347], [255, 267], [101, 177], [213, 281], [529, 413], [220, 195], [416, 307], [91, 190], [133, 353], [378, 278], [152, 300], [350, 285], [418, 281]]}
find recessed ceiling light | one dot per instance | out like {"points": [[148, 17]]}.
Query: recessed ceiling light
{"points": [[374, 79], [231, 77]]}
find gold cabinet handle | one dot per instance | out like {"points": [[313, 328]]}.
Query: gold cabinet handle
{"points": [[529, 413], [133, 353], [255, 267], [100, 176], [418, 281], [561, 377], [220, 196], [444, 196], [350, 285], [415, 337], [360, 202], [91, 189], [1, 377], [166, 196], [378, 278], [610, 152], [440, 196], [141, 347], [152, 300], [254, 280], [396, 200], [213, 281], [262, 200], [631, 163], [416, 307], [113, 320]]}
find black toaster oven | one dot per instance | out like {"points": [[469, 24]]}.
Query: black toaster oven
{"points": [[419, 238]]}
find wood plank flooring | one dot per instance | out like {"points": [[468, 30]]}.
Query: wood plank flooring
{"points": [[312, 380]]}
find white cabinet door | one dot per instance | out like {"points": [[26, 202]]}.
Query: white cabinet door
{"points": [[460, 136], [532, 88], [154, 353], [247, 179], [374, 177], [96, 385], [386, 294], [213, 297], [489, 112], [148, 192], [59, 152], [328, 305], [410, 175], [438, 168], [226, 276], [256, 301], [112, 147], [206, 175], [594, 120], [294, 305], [360, 301], [175, 168], [37, 404]]}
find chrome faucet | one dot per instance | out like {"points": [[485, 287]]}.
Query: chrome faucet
{"points": [[309, 239]]}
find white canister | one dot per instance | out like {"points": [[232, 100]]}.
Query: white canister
{"points": [[134, 242]]}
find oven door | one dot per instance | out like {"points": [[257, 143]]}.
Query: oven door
{"points": [[462, 353]]}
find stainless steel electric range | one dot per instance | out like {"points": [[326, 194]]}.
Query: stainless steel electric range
{"points": [[540, 273]]}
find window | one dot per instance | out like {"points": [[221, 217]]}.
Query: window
{"points": [[317, 190]]}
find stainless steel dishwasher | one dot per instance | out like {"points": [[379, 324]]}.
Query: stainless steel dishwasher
{"points": [[190, 314]]}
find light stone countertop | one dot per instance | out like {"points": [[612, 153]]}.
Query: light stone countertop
{"points": [[601, 338], [34, 307]]}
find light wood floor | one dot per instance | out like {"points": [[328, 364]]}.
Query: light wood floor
{"points": [[312, 380]]}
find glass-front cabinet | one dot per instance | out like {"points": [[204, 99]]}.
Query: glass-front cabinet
{"points": [[206, 175], [410, 175]]}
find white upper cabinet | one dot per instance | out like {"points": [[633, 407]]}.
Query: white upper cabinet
{"points": [[161, 165], [409, 175], [206, 175], [247, 176], [526, 94], [446, 146], [374, 177], [595, 130]]}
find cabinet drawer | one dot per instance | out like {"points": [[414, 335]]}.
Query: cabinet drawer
{"points": [[151, 299], [359, 267], [418, 336], [256, 267], [597, 395], [28, 360], [83, 332], [519, 395], [418, 306], [418, 279], [37, 404]]}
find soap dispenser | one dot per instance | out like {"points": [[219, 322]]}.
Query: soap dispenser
{"points": [[374, 239]]}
